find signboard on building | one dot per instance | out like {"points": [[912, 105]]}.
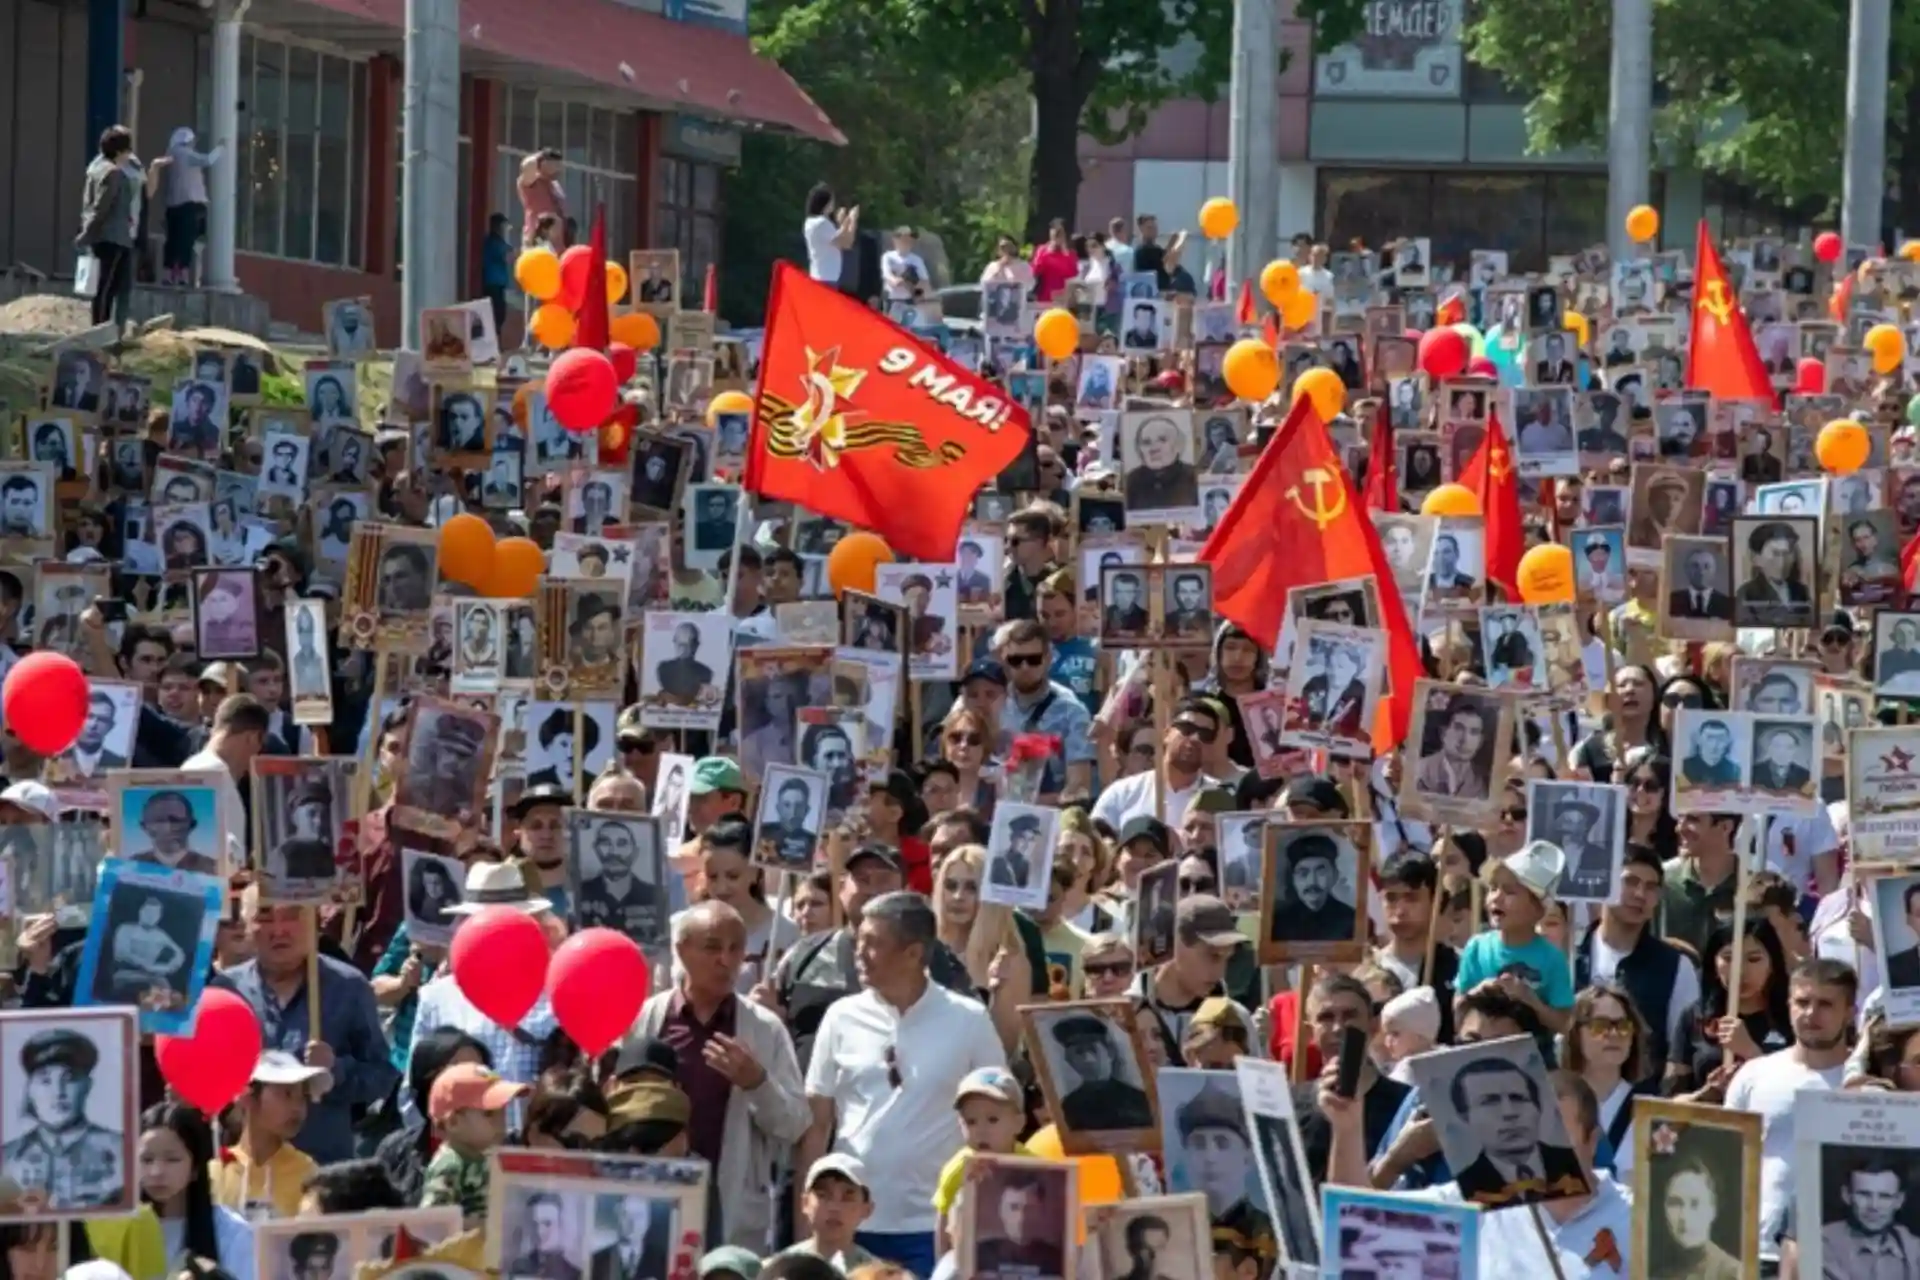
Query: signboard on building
{"points": [[693, 139], [1406, 49], [731, 15]]}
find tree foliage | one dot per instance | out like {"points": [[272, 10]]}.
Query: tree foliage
{"points": [[1753, 89]]}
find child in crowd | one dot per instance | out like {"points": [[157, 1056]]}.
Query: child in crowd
{"points": [[1218, 1033], [468, 1107], [1513, 954], [992, 1108], [263, 1175], [1409, 1025], [836, 1202]]}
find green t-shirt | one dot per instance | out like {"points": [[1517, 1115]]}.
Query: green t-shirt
{"points": [[456, 1179]]}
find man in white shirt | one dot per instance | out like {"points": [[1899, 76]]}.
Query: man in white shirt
{"points": [[240, 727], [828, 231], [881, 1082], [903, 269], [1195, 726]]}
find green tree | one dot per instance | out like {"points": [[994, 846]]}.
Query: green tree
{"points": [[1095, 65]]}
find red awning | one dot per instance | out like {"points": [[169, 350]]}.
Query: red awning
{"points": [[693, 68]]}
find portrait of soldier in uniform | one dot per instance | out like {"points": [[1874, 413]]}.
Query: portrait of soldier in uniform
{"points": [[58, 1152]]}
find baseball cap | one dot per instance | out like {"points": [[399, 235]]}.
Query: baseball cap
{"points": [[277, 1066], [1146, 827], [1318, 790], [986, 669], [1212, 800], [874, 849], [1217, 1016], [730, 1259], [646, 1100], [716, 773], [841, 1163], [1417, 1011], [35, 797], [990, 1082], [1203, 920], [467, 1085]]}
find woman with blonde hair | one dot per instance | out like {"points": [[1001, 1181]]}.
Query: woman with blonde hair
{"points": [[984, 936], [967, 737], [1079, 845]]}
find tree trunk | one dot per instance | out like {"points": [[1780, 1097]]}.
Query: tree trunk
{"points": [[1060, 90], [1905, 129]]}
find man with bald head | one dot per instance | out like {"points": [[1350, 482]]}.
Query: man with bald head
{"points": [[736, 1065]]}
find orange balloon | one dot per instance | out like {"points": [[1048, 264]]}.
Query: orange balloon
{"points": [[1218, 217], [616, 282], [523, 403], [637, 329], [1279, 280], [1299, 308], [1451, 500], [728, 402], [552, 326], [1101, 1181], [1056, 333], [1842, 446], [1545, 575], [852, 563], [1887, 345], [537, 271], [1643, 222], [1251, 369], [1324, 389], [517, 566], [466, 550]]}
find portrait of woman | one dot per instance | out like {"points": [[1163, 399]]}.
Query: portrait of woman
{"points": [[185, 546], [327, 400], [430, 891], [144, 956], [229, 539]]}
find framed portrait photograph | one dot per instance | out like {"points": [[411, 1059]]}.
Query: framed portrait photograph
{"points": [[479, 645], [870, 623], [1019, 870], [77, 383], [1586, 821], [1241, 841], [106, 735], [446, 342], [585, 633], [1157, 892], [1159, 480], [1696, 595], [54, 869], [1408, 542], [226, 613], [1714, 759], [150, 942], [308, 667], [170, 820], [566, 741], [1870, 560], [1460, 763], [337, 514], [928, 591], [1853, 1153], [1666, 499], [125, 400], [791, 817], [617, 875], [62, 593], [69, 1112], [1499, 1123], [683, 670], [1098, 515], [594, 1211], [1314, 906], [595, 499], [1124, 609], [659, 465], [435, 884], [1896, 653], [392, 572], [1389, 1234], [1456, 570], [1543, 434], [331, 393], [1184, 605], [349, 453], [1208, 1146], [1333, 688], [1264, 715], [654, 278], [1512, 652], [461, 416], [448, 748], [29, 527], [1019, 1219], [349, 327], [340, 1246], [1158, 1237], [711, 519], [1786, 761], [979, 569], [1092, 1064], [1776, 562], [1896, 938], [301, 811], [670, 797]]}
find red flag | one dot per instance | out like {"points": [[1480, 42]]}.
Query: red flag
{"points": [[1490, 474], [591, 329], [1296, 521], [1383, 477], [1842, 299], [1270, 330], [1243, 311], [1721, 357], [711, 302], [856, 418], [1909, 561]]}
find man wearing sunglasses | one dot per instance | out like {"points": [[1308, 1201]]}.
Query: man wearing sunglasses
{"points": [[1196, 726], [1037, 704]]}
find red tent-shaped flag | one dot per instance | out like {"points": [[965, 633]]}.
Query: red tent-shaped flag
{"points": [[1383, 476], [1295, 522], [1721, 357], [857, 419], [1490, 474]]}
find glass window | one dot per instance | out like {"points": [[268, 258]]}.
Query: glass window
{"points": [[626, 142], [1374, 206], [356, 154], [522, 107], [600, 147], [332, 220], [1489, 211], [706, 187], [552, 130], [576, 144], [303, 111], [267, 168]]}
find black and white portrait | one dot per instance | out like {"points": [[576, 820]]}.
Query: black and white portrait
{"points": [[1209, 1147], [500, 486], [1018, 1221], [868, 622], [1775, 563], [1100, 382], [479, 645], [1186, 604], [832, 742], [712, 523], [1456, 569], [1511, 651], [302, 807], [1785, 766], [1852, 1161], [1586, 822], [68, 1106], [1697, 1169], [350, 453], [1159, 479], [1019, 871], [126, 399], [1712, 750], [79, 381], [791, 817], [149, 936], [460, 419], [449, 752], [349, 324], [1896, 653], [1499, 1123], [284, 460], [684, 673], [597, 500], [1241, 841], [1333, 686], [1698, 594], [405, 570], [434, 884], [1314, 903], [1151, 1238], [1153, 918], [631, 1236], [658, 462], [1123, 605], [333, 534], [1458, 734], [1870, 560], [1092, 1067], [55, 443], [616, 864], [1144, 325], [542, 1233]]}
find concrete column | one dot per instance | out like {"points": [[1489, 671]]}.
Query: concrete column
{"points": [[223, 179], [1629, 119], [1253, 140], [106, 69], [429, 163], [1863, 186]]}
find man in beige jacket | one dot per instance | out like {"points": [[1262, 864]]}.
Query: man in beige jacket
{"points": [[736, 1065]]}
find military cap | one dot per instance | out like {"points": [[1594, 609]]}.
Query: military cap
{"points": [[1080, 1028], [919, 580], [458, 734], [646, 1100], [1307, 847], [1211, 1108], [1024, 825], [59, 1047]]}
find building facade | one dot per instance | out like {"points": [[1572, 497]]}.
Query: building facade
{"points": [[645, 100]]}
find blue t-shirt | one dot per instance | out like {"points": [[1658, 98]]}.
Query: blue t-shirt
{"points": [[1074, 663], [1542, 964]]}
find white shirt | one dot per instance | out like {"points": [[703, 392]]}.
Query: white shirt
{"points": [[1609, 1112], [1133, 798], [893, 266], [1768, 1087], [1510, 1243], [904, 1136], [233, 813], [823, 255], [1811, 838], [1318, 281]]}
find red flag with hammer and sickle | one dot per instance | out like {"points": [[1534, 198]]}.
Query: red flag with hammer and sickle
{"points": [[1721, 357], [1490, 474], [1297, 521]]}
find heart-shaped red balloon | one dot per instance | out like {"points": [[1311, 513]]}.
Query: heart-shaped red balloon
{"points": [[210, 1067]]}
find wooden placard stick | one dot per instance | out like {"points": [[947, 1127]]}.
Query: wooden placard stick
{"points": [[1749, 846], [1546, 1241], [1162, 720], [1298, 1071], [579, 751]]}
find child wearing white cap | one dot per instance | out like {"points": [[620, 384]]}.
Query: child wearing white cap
{"points": [[1409, 1025], [1513, 955]]}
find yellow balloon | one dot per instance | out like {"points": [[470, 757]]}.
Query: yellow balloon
{"points": [[552, 326], [1251, 370], [1279, 280], [1056, 333], [1911, 251], [1299, 309], [537, 272], [728, 402], [1218, 217], [1887, 346], [1582, 332], [1545, 575], [1324, 390], [1450, 500], [1643, 222], [616, 282]]}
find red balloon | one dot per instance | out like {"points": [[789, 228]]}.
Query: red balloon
{"points": [[1482, 367], [1810, 377], [44, 701], [210, 1067], [575, 263], [597, 983], [626, 361], [499, 960], [583, 387], [1827, 246], [1443, 353]]}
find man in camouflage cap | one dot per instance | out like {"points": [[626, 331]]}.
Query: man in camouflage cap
{"points": [[62, 1155]]}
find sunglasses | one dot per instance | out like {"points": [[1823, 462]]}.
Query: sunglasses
{"points": [[1515, 814], [1109, 969], [1647, 784], [1196, 884], [1610, 1026], [965, 740], [1691, 701], [1140, 749], [645, 746], [1025, 659], [894, 1079], [1192, 729]]}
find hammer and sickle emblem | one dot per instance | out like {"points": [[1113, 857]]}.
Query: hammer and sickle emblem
{"points": [[1717, 303], [1320, 513], [1498, 467]]}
